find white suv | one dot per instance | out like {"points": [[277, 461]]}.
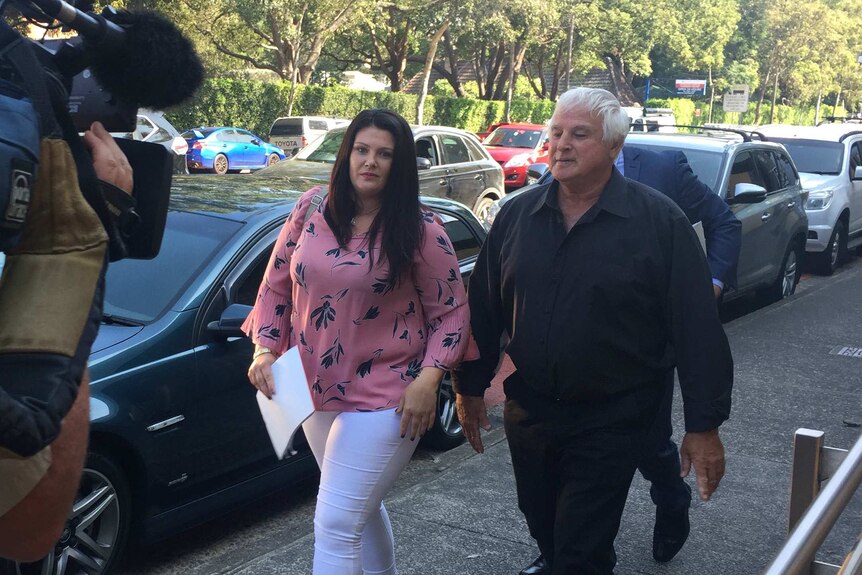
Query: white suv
{"points": [[829, 160], [293, 133]]}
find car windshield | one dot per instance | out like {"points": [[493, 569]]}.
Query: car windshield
{"points": [[198, 134], [324, 150], [706, 164], [140, 291], [514, 138], [814, 156]]}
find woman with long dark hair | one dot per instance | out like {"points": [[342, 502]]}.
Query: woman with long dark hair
{"points": [[368, 286]]}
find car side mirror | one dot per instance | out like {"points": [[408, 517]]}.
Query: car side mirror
{"points": [[230, 322], [546, 145], [255, 142], [747, 194], [857, 173], [537, 170], [423, 163]]}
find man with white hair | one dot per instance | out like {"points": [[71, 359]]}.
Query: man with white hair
{"points": [[602, 287]]}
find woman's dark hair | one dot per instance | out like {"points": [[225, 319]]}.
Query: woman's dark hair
{"points": [[399, 214]]}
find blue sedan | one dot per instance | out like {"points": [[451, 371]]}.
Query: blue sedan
{"points": [[221, 150]]}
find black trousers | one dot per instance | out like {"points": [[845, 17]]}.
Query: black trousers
{"points": [[573, 465], [660, 463]]}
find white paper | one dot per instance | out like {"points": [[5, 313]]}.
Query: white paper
{"points": [[290, 405], [698, 229]]}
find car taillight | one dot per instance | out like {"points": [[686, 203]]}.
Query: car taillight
{"points": [[304, 141], [198, 146]]}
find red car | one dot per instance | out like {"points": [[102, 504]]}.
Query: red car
{"points": [[516, 147]]}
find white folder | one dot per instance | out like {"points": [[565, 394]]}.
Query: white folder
{"points": [[290, 405], [698, 229]]}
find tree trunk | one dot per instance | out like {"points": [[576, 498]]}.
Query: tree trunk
{"points": [[711, 96], [571, 40], [774, 98], [452, 57], [760, 98], [837, 100], [817, 107], [511, 87], [426, 72]]}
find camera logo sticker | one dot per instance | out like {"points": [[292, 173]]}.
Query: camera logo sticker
{"points": [[21, 187]]}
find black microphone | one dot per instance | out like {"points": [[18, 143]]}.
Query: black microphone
{"points": [[155, 66]]}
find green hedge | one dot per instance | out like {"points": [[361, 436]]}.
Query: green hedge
{"points": [[254, 104], [685, 112]]}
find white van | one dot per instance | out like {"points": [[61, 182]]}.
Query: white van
{"points": [[293, 133], [654, 120]]}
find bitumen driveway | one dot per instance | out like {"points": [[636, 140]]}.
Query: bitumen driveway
{"points": [[456, 512]]}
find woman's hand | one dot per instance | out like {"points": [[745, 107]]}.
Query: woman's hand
{"points": [[260, 374], [418, 406]]}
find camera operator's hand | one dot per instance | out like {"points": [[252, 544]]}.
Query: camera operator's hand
{"points": [[109, 161]]}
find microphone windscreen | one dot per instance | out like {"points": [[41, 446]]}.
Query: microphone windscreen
{"points": [[155, 67]]}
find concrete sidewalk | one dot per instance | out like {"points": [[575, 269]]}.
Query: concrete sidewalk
{"points": [[458, 514]]}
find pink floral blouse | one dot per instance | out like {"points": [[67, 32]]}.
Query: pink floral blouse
{"points": [[361, 339]]}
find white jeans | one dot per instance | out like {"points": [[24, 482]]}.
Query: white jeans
{"points": [[360, 455]]}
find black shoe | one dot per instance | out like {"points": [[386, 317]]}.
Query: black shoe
{"points": [[537, 567], [670, 533]]}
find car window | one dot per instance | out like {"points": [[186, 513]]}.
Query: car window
{"points": [[454, 150], [477, 152], [246, 291], [244, 137], [286, 127], [462, 237], [327, 150], [144, 127], [814, 156], [786, 172], [317, 125], [514, 138], [855, 157], [743, 171], [225, 136], [768, 169], [425, 149]]}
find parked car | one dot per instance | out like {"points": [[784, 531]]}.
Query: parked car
{"points": [[222, 150], [654, 120], [176, 435], [516, 147], [452, 164], [293, 133], [829, 159], [153, 127], [760, 183]]}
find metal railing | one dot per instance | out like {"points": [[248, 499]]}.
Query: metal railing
{"points": [[813, 511]]}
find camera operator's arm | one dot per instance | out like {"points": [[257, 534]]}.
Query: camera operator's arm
{"points": [[29, 530], [109, 161]]}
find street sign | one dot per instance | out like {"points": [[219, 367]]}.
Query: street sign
{"points": [[736, 100], [690, 87]]}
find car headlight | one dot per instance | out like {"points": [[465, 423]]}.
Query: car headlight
{"points": [[819, 199], [517, 161], [490, 214]]}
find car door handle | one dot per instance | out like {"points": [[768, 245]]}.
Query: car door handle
{"points": [[443, 182], [478, 177], [765, 217], [791, 204]]}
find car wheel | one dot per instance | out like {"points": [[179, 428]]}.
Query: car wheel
{"points": [[447, 432], [272, 159], [826, 262], [96, 532], [788, 278], [220, 164], [483, 206]]}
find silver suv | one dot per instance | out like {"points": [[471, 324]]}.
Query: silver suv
{"points": [[760, 183], [829, 159]]}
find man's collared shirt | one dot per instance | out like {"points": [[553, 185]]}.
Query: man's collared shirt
{"points": [[605, 308]]}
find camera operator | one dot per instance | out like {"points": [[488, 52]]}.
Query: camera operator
{"points": [[36, 493]]}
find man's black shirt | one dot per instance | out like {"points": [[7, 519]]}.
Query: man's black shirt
{"points": [[604, 309]]}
